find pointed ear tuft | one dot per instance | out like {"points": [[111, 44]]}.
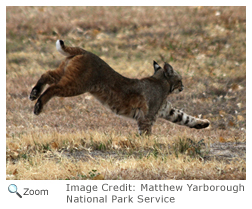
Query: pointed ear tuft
{"points": [[168, 70], [156, 66]]}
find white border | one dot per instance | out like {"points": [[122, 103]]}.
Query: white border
{"points": [[57, 189]]}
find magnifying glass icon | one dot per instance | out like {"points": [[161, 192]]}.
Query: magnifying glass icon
{"points": [[13, 189]]}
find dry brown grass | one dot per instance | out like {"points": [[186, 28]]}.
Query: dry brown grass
{"points": [[77, 138]]}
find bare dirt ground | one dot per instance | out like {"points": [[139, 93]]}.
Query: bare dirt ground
{"points": [[77, 138]]}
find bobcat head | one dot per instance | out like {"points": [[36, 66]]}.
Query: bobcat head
{"points": [[173, 78]]}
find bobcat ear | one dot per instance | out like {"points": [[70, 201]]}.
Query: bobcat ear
{"points": [[156, 66], [168, 70]]}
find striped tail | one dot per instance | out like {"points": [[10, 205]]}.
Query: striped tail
{"points": [[67, 50], [179, 117]]}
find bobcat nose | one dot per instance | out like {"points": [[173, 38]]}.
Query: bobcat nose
{"points": [[181, 88]]}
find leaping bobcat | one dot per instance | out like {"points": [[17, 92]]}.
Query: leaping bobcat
{"points": [[144, 99]]}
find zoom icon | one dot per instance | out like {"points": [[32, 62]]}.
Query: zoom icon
{"points": [[13, 189]]}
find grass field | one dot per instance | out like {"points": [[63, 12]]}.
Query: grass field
{"points": [[77, 138]]}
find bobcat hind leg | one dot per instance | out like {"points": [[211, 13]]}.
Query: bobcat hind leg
{"points": [[64, 88], [44, 98], [49, 77]]}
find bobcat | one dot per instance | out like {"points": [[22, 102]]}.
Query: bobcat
{"points": [[144, 99]]}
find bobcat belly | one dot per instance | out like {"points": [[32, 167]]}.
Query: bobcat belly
{"points": [[131, 106]]}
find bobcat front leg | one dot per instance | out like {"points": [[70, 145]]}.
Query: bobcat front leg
{"points": [[145, 125], [179, 117]]}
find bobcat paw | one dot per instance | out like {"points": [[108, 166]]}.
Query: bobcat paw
{"points": [[38, 107], [203, 124], [34, 94]]}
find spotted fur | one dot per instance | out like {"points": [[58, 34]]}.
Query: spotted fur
{"points": [[143, 100], [179, 117]]}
